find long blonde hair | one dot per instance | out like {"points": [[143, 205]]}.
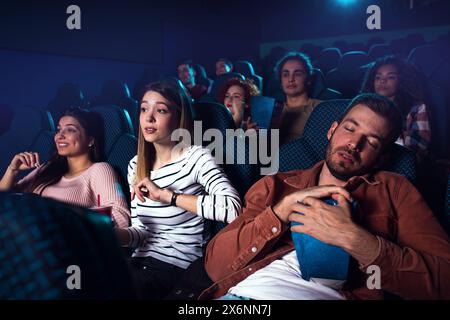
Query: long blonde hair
{"points": [[174, 91]]}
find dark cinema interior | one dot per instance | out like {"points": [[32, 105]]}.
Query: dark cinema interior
{"points": [[101, 56]]}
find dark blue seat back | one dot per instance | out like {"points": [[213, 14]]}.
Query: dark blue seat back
{"points": [[26, 125], [68, 95], [379, 50], [117, 93], [116, 122], [347, 77], [123, 150], [220, 81], [43, 239], [329, 59]]}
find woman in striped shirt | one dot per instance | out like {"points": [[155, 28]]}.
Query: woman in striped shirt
{"points": [[175, 188]]}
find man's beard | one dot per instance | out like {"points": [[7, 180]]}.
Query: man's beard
{"points": [[338, 171]]}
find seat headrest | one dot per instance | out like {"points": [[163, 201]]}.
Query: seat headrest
{"points": [[244, 67]]}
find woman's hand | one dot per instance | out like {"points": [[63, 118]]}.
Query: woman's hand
{"points": [[148, 189], [25, 161], [249, 124]]}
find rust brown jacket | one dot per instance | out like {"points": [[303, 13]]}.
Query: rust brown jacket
{"points": [[414, 251]]}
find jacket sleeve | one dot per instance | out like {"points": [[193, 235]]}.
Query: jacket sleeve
{"points": [[418, 265], [252, 233]]}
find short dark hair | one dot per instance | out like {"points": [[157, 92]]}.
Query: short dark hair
{"points": [[226, 61], [300, 57], [383, 107], [189, 63]]}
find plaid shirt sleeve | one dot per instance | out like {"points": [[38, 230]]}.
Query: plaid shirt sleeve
{"points": [[417, 134]]}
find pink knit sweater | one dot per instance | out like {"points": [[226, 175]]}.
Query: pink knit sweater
{"points": [[82, 191]]}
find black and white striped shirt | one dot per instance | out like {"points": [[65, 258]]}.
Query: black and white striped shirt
{"points": [[172, 234]]}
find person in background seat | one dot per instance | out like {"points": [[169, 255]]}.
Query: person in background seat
{"points": [[186, 73], [294, 71], [223, 65], [399, 81], [235, 95]]}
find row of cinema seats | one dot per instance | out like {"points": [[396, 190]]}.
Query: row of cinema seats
{"points": [[335, 76], [33, 129], [242, 67], [112, 92], [401, 46]]}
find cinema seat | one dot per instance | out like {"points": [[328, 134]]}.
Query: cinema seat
{"points": [[44, 144], [123, 150], [319, 88], [26, 125], [68, 95], [116, 122], [117, 93], [348, 75], [45, 242], [246, 69], [328, 59], [379, 50]]}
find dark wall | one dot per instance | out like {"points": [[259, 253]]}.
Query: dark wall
{"points": [[117, 40], [295, 20], [121, 39]]}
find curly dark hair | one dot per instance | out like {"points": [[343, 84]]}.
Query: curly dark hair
{"points": [[410, 90], [250, 89], [300, 57]]}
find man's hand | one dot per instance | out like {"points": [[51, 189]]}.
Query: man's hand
{"points": [[334, 225], [327, 223], [291, 203], [147, 188]]}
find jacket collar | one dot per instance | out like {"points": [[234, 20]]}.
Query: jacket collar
{"points": [[302, 179]]}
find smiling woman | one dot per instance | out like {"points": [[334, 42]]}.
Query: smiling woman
{"points": [[74, 174]]}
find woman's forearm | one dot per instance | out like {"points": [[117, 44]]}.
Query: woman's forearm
{"points": [[8, 180], [187, 202], [123, 236]]}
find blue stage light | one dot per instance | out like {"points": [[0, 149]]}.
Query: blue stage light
{"points": [[345, 2]]}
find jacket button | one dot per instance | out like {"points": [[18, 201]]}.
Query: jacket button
{"points": [[274, 230], [178, 292], [254, 249]]}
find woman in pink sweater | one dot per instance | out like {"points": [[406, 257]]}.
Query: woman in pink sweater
{"points": [[73, 175]]}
